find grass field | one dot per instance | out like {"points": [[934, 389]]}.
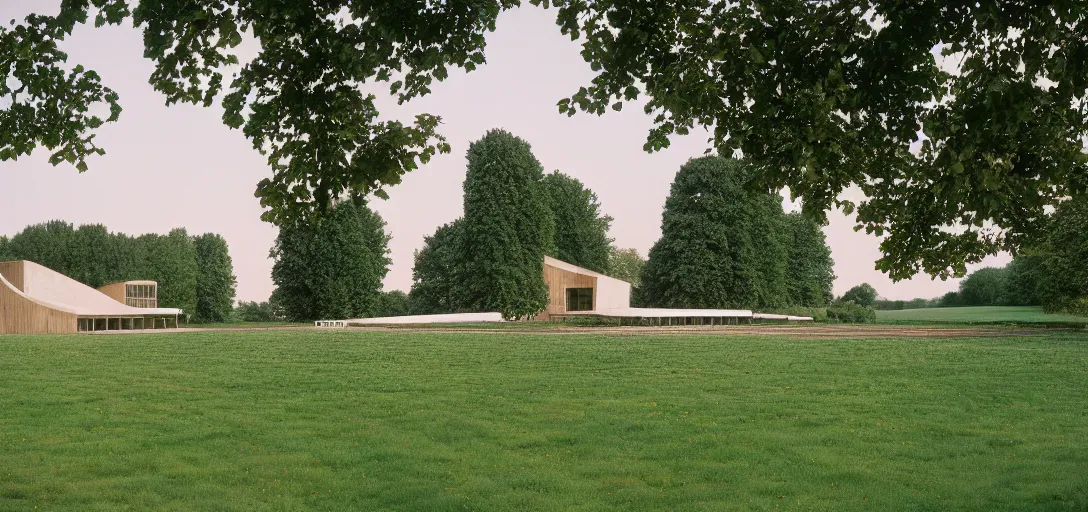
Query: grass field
{"points": [[977, 315], [340, 420]]}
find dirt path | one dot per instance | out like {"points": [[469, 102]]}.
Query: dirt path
{"points": [[793, 331]]}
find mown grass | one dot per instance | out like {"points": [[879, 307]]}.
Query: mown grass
{"points": [[1013, 315], [341, 420]]}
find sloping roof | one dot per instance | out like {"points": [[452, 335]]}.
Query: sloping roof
{"points": [[560, 264], [58, 291]]}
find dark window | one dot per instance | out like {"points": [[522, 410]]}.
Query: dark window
{"points": [[579, 299]]}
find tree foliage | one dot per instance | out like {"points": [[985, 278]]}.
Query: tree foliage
{"points": [[581, 230], [1023, 276], [863, 295], [1064, 271], [171, 261], [819, 95], [626, 265], [215, 281], [850, 312], [393, 303], [5, 251], [984, 287], [437, 270], [722, 245], [332, 269], [811, 269], [258, 312], [508, 228]]}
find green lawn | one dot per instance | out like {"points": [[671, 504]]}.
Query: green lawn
{"points": [[981, 314], [341, 420]]}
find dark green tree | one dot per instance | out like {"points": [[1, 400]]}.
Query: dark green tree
{"points": [[984, 287], [951, 299], [811, 269], [863, 295], [581, 230], [1022, 279], [821, 95], [1064, 273], [47, 244], [98, 256], [393, 303], [332, 269], [508, 228], [170, 260], [722, 245], [215, 281], [435, 276], [5, 250]]}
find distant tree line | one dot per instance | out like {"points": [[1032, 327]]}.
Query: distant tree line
{"points": [[1051, 272], [193, 273]]}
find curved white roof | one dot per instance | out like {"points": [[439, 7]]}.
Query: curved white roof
{"points": [[58, 291]]}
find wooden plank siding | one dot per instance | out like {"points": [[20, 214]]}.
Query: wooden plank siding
{"points": [[115, 291], [558, 280], [21, 315], [13, 272]]}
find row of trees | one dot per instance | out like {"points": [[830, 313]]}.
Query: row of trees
{"points": [[1052, 273], [195, 273], [722, 245]]}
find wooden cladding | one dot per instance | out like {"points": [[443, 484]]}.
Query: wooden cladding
{"points": [[20, 315], [558, 281], [13, 272], [137, 294]]}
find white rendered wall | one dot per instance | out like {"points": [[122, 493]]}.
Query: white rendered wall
{"points": [[612, 294]]}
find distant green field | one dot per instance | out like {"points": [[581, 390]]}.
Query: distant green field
{"points": [[348, 420], [981, 314]]}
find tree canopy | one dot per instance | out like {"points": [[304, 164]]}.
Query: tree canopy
{"points": [[722, 245], [436, 272], [811, 269], [984, 287], [508, 228], [1063, 279], [863, 295], [581, 230], [819, 95], [333, 268], [215, 281]]}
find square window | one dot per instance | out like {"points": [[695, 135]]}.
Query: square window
{"points": [[579, 299]]}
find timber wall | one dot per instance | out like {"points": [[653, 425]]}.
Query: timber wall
{"points": [[115, 291], [558, 280], [20, 314]]}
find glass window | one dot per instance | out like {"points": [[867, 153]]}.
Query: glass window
{"points": [[579, 299]]}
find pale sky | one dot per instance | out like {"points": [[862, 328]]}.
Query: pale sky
{"points": [[181, 167]]}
